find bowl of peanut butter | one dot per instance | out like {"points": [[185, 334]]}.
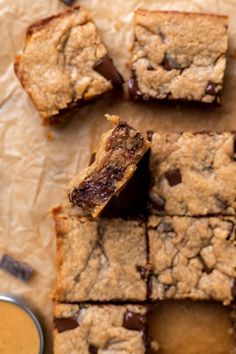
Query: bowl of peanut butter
{"points": [[21, 332]]}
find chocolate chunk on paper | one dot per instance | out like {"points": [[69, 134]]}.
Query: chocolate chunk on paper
{"points": [[16, 268]]}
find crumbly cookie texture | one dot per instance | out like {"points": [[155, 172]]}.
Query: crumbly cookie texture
{"points": [[178, 55], [118, 153], [100, 260], [99, 329], [193, 173], [192, 258], [64, 62]]}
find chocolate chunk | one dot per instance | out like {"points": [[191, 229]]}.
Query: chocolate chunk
{"points": [[92, 158], [233, 290], [93, 349], [164, 227], [143, 271], [106, 68], [149, 135], [65, 324], [18, 269], [133, 87], [170, 63], [134, 321], [211, 89], [157, 202], [150, 67], [68, 2], [174, 177]]}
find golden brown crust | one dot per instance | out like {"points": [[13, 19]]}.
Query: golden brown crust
{"points": [[144, 12]]}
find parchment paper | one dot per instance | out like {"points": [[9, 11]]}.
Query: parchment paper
{"points": [[36, 163]]}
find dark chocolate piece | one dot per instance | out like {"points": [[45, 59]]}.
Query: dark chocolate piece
{"points": [[68, 2], [157, 203], [164, 227], [93, 349], [134, 321], [106, 68], [174, 177], [143, 271], [133, 87], [170, 63], [18, 269], [211, 89], [65, 324]]}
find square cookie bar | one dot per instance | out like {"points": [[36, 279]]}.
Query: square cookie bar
{"points": [[91, 329], [64, 62], [116, 159], [178, 55], [192, 258], [102, 260], [193, 173]]}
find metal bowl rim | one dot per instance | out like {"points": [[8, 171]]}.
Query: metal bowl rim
{"points": [[22, 306]]}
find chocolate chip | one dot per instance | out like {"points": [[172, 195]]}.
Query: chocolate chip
{"points": [[211, 89], [143, 271], [170, 63], [134, 321], [68, 2], [133, 86], [65, 324], [150, 67], [93, 349], [174, 177], [18, 269], [106, 68], [206, 269], [150, 134], [92, 158], [233, 289]]}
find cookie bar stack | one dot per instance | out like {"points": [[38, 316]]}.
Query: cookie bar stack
{"points": [[102, 262], [183, 248]]}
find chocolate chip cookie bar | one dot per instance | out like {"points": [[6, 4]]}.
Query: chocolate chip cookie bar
{"points": [[116, 160], [64, 63], [192, 258], [94, 329], [193, 173], [178, 56], [100, 260]]}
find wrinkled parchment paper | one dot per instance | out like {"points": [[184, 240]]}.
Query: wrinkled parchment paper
{"points": [[36, 163]]}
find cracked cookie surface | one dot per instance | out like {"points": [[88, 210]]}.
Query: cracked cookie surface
{"points": [[65, 62], [192, 258], [119, 151], [193, 173], [98, 329], [100, 260], [178, 55]]}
